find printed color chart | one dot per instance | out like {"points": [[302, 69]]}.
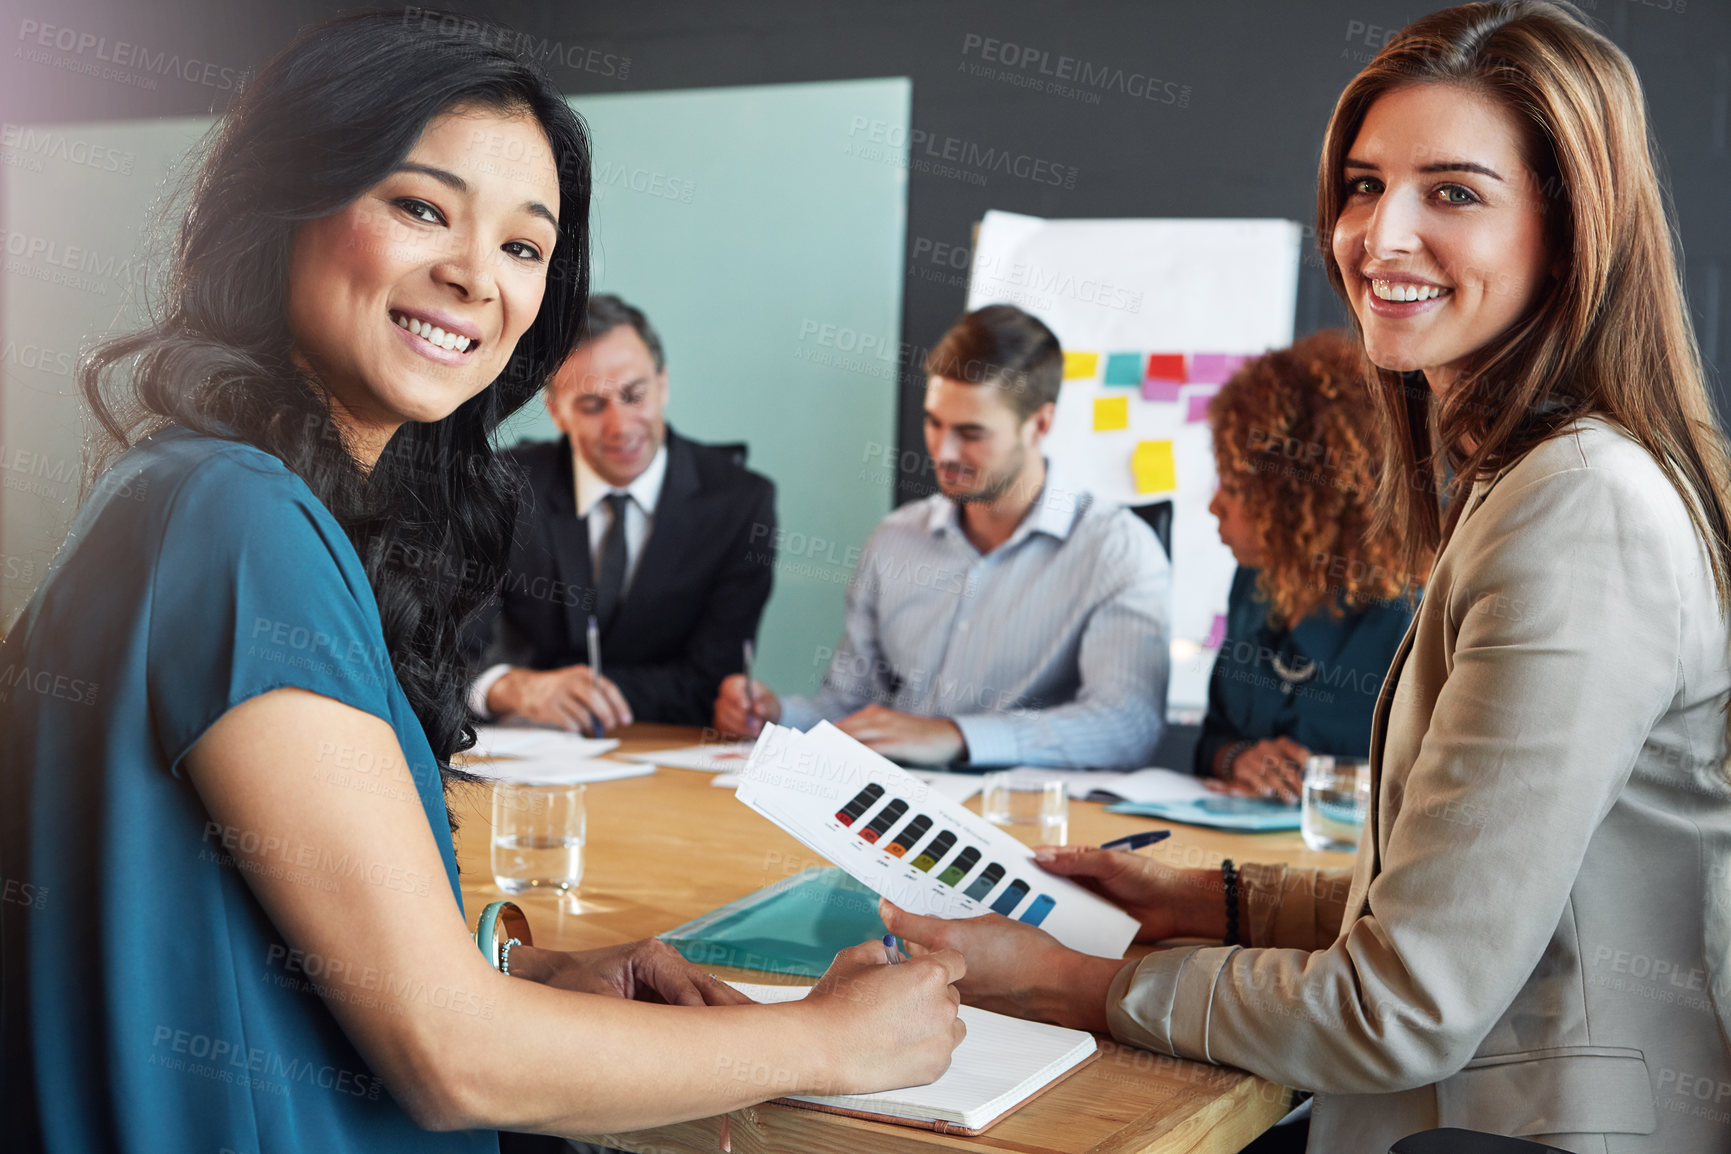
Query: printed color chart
{"points": [[924, 852]]}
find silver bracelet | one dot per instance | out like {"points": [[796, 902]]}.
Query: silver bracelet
{"points": [[505, 955]]}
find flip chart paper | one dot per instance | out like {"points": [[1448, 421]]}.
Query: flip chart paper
{"points": [[1153, 467], [1111, 413]]}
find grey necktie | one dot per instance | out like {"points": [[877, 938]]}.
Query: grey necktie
{"points": [[610, 581]]}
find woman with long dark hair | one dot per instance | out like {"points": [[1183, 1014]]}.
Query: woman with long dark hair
{"points": [[1535, 937], [230, 709]]}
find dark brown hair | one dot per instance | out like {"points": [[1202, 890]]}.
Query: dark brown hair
{"points": [[1610, 337], [1296, 439], [1003, 346]]}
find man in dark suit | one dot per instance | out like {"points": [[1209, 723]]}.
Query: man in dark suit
{"points": [[668, 543]]}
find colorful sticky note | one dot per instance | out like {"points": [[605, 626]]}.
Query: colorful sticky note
{"points": [[1196, 405], [1165, 367], [1124, 369], [1215, 368], [1160, 390], [1216, 632], [1080, 366], [1153, 468], [1111, 413]]}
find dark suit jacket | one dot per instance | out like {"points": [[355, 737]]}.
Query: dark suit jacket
{"points": [[696, 596]]}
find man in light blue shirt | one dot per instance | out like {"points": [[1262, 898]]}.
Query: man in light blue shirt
{"points": [[1007, 619]]}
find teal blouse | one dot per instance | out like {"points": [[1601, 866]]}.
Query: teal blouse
{"points": [[1316, 683], [147, 1005]]}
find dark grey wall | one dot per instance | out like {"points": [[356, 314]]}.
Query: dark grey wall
{"points": [[1240, 91]]}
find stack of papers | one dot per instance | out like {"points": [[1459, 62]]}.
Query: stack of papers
{"points": [[533, 756]]}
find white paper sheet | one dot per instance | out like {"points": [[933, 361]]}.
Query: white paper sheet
{"points": [[538, 769], [731, 756], [523, 740], [957, 865], [1001, 1062]]}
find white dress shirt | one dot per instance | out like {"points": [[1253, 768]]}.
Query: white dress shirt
{"points": [[645, 494]]}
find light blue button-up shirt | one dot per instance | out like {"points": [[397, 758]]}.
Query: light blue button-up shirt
{"points": [[1049, 650]]}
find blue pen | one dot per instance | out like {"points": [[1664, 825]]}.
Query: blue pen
{"points": [[893, 947], [1137, 840]]}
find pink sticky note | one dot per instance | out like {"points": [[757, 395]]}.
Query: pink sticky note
{"points": [[1215, 368], [1153, 390], [1196, 405], [1216, 633]]}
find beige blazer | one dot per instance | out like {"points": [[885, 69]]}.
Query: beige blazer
{"points": [[1536, 935]]}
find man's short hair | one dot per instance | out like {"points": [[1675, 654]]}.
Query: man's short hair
{"points": [[1003, 346], [606, 312]]}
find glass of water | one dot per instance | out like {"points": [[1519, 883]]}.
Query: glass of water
{"points": [[1035, 809], [538, 836], [1335, 801]]}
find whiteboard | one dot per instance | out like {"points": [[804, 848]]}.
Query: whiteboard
{"points": [[1153, 316]]}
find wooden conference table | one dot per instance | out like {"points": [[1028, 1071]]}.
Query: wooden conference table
{"points": [[665, 848]]}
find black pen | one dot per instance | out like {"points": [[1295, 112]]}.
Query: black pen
{"points": [[1137, 840]]}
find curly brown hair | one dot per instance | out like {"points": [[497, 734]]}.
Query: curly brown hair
{"points": [[1296, 439]]}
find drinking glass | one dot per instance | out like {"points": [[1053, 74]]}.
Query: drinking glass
{"points": [[538, 836], [1335, 800], [1033, 808]]}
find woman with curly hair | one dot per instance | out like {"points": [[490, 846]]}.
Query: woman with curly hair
{"points": [[1319, 603]]}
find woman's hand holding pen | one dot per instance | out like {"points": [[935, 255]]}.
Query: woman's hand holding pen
{"points": [[741, 707], [891, 1025]]}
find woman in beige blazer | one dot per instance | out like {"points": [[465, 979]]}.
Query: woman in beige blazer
{"points": [[1536, 938]]}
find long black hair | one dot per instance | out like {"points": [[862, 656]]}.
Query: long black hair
{"points": [[328, 118]]}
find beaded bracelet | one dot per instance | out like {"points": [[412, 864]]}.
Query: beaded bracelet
{"points": [[516, 927], [1233, 752], [505, 955], [1230, 875]]}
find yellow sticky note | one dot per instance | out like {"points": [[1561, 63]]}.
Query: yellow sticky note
{"points": [[1152, 466], [1111, 413], [1078, 366]]}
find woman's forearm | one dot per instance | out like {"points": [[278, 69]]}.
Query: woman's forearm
{"points": [[557, 1062]]}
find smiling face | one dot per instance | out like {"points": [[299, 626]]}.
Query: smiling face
{"points": [[409, 300], [979, 444], [609, 398], [1441, 238]]}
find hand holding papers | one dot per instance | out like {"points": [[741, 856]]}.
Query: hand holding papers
{"points": [[908, 842]]}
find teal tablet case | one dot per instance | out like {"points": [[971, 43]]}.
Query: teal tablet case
{"points": [[1247, 814], [792, 927]]}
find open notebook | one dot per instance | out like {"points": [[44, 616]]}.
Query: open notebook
{"points": [[1002, 1063]]}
